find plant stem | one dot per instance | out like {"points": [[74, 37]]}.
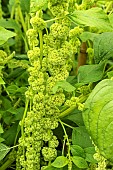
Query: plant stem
{"points": [[54, 19], [22, 18], [17, 103], [41, 46], [7, 164], [82, 56], [22, 122], [68, 144], [68, 125], [109, 7], [69, 110], [63, 146]]}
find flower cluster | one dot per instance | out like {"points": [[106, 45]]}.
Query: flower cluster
{"points": [[58, 8], [74, 101], [3, 56], [101, 160], [51, 60]]}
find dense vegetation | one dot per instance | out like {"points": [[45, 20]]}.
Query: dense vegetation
{"points": [[56, 84]]}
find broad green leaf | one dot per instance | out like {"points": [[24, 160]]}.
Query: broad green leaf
{"points": [[3, 150], [103, 47], [10, 24], [60, 162], [1, 67], [90, 158], [51, 168], [88, 36], [16, 73], [5, 35], [111, 19], [1, 128], [72, 80], [90, 73], [12, 110], [21, 90], [79, 162], [110, 74], [98, 117], [1, 81], [94, 17], [1, 139], [81, 137], [90, 150], [12, 89], [10, 134], [76, 117], [76, 150], [7, 117], [19, 113], [64, 85], [6, 103], [74, 167], [25, 5]]}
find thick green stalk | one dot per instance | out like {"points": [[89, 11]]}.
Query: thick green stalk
{"points": [[7, 164], [70, 109], [22, 19], [67, 112]]}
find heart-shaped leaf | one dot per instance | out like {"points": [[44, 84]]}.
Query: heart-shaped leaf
{"points": [[98, 117]]}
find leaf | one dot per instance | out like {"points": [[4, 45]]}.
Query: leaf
{"points": [[1, 67], [76, 150], [10, 134], [74, 167], [60, 162], [90, 158], [25, 5], [76, 117], [7, 117], [90, 73], [81, 137], [1, 139], [6, 103], [64, 85], [110, 74], [19, 113], [10, 24], [103, 47], [111, 19], [5, 35], [3, 150], [1, 129], [51, 168], [90, 150], [94, 17], [1, 81], [98, 117], [21, 90], [79, 162], [12, 89], [88, 36], [72, 80], [15, 73]]}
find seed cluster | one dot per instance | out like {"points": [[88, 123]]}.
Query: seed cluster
{"points": [[37, 145]]}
